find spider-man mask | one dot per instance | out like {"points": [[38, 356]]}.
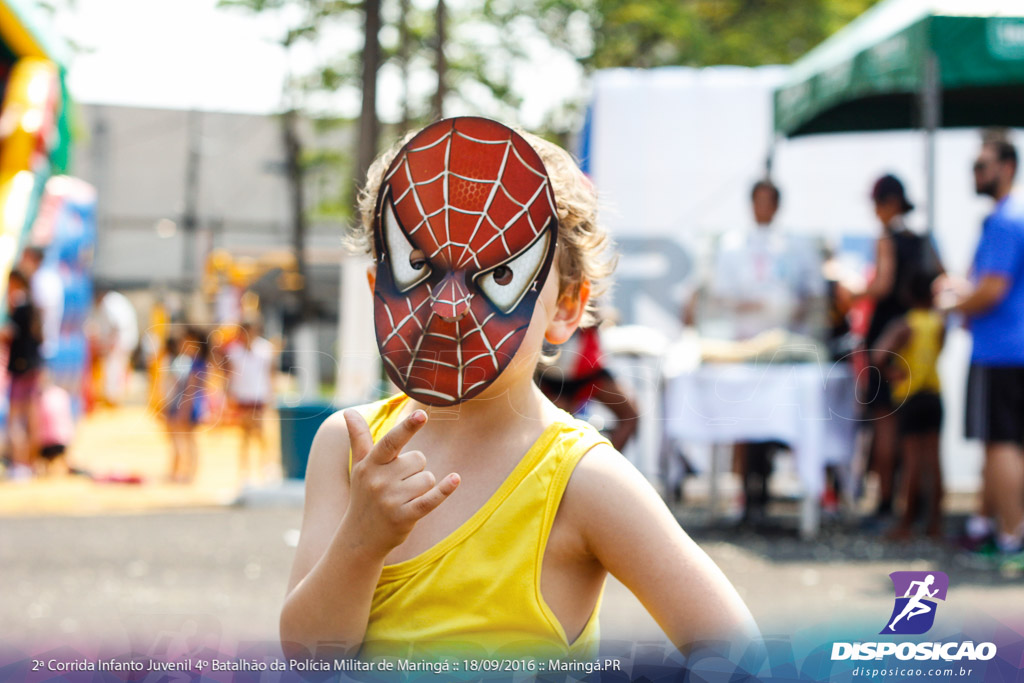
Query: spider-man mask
{"points": [[465, 232]]}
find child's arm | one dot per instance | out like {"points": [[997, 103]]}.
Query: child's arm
{"points": [[628, 529], [894, 337], [350, 525]]}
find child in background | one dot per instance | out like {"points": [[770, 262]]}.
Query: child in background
{"points": [[577, 376], [250, 374], [24, 336], [910, 348], [56, 426], [468, 514], [185, 405]]}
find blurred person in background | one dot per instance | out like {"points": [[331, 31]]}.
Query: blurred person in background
{"points": [[153, 344], [915, 341], [24, 338], [56, 427], [899, 254], [841, 342], [250, 378], [763, 280], [47, 295], [115, 336], [993, 302], [186, 395], [840, 339], [577, 375]]}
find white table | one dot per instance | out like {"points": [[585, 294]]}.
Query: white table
{"points": [[809, 406]]}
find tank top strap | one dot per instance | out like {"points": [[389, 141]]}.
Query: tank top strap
{"points": [[573, 442]]}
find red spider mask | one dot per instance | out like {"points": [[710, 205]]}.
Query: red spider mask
{"points": [[464, 231]]}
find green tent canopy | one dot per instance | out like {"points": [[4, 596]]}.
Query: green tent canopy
{"points": [[881, 71]]}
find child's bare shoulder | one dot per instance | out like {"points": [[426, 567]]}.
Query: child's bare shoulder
{"points": [[604, 482], [332, 436], [332, 433], [621, 521]]}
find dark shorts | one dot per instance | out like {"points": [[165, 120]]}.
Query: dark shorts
{"points": [[921, 414], [995, 404]]}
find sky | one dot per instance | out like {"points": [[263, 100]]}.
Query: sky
{"points": [[185, 54], [178, 54]]}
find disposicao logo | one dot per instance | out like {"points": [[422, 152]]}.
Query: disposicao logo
{"points": [[914, 614], [916, 593]]}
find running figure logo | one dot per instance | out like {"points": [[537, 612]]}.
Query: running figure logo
{"points": [[916, 593]]}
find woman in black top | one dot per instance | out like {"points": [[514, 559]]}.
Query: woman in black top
{"points": [[900, 256], [23, 334]]}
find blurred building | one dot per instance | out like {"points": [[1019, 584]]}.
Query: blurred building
{"points": [[175, 186]]}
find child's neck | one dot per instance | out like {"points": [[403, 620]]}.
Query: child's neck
{"points": [[506, 409]]}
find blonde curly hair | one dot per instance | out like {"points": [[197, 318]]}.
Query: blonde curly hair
{"points": [[584, 252]]}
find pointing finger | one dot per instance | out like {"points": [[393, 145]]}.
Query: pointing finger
{"points": [[389, 446]]}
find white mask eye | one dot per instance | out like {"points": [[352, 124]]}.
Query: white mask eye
{"points": [[507, 284], [409, 266]]}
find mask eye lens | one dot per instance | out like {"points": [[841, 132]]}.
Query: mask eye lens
{"points": [[409, 265], [502, 275], [507, 284], [417, 259]]}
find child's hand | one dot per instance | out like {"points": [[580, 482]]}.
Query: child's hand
{"points": [[391, 491]]}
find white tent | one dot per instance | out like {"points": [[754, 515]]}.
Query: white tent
{"points": [[674, 152]]}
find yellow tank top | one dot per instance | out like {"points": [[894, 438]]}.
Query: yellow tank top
{"points": [[921, 354], [477, 592]]}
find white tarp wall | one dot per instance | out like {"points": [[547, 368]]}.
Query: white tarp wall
{"points": [[674, 152]]}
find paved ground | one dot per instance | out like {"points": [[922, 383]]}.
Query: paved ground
{"points": [[114, 444], [86, 562], [84, 579]]}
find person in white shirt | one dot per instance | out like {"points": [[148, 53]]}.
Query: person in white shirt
{"points": [[250, 366], [763, 280], [115, 327], [47, 296]]}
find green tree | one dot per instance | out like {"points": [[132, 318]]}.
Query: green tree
{"points": [[601, 34], [301, 21], [649, 33]]}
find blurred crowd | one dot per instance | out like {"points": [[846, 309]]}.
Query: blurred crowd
{"points": [[224, 376], [766, 291], [221, 375], [763, 293]]}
